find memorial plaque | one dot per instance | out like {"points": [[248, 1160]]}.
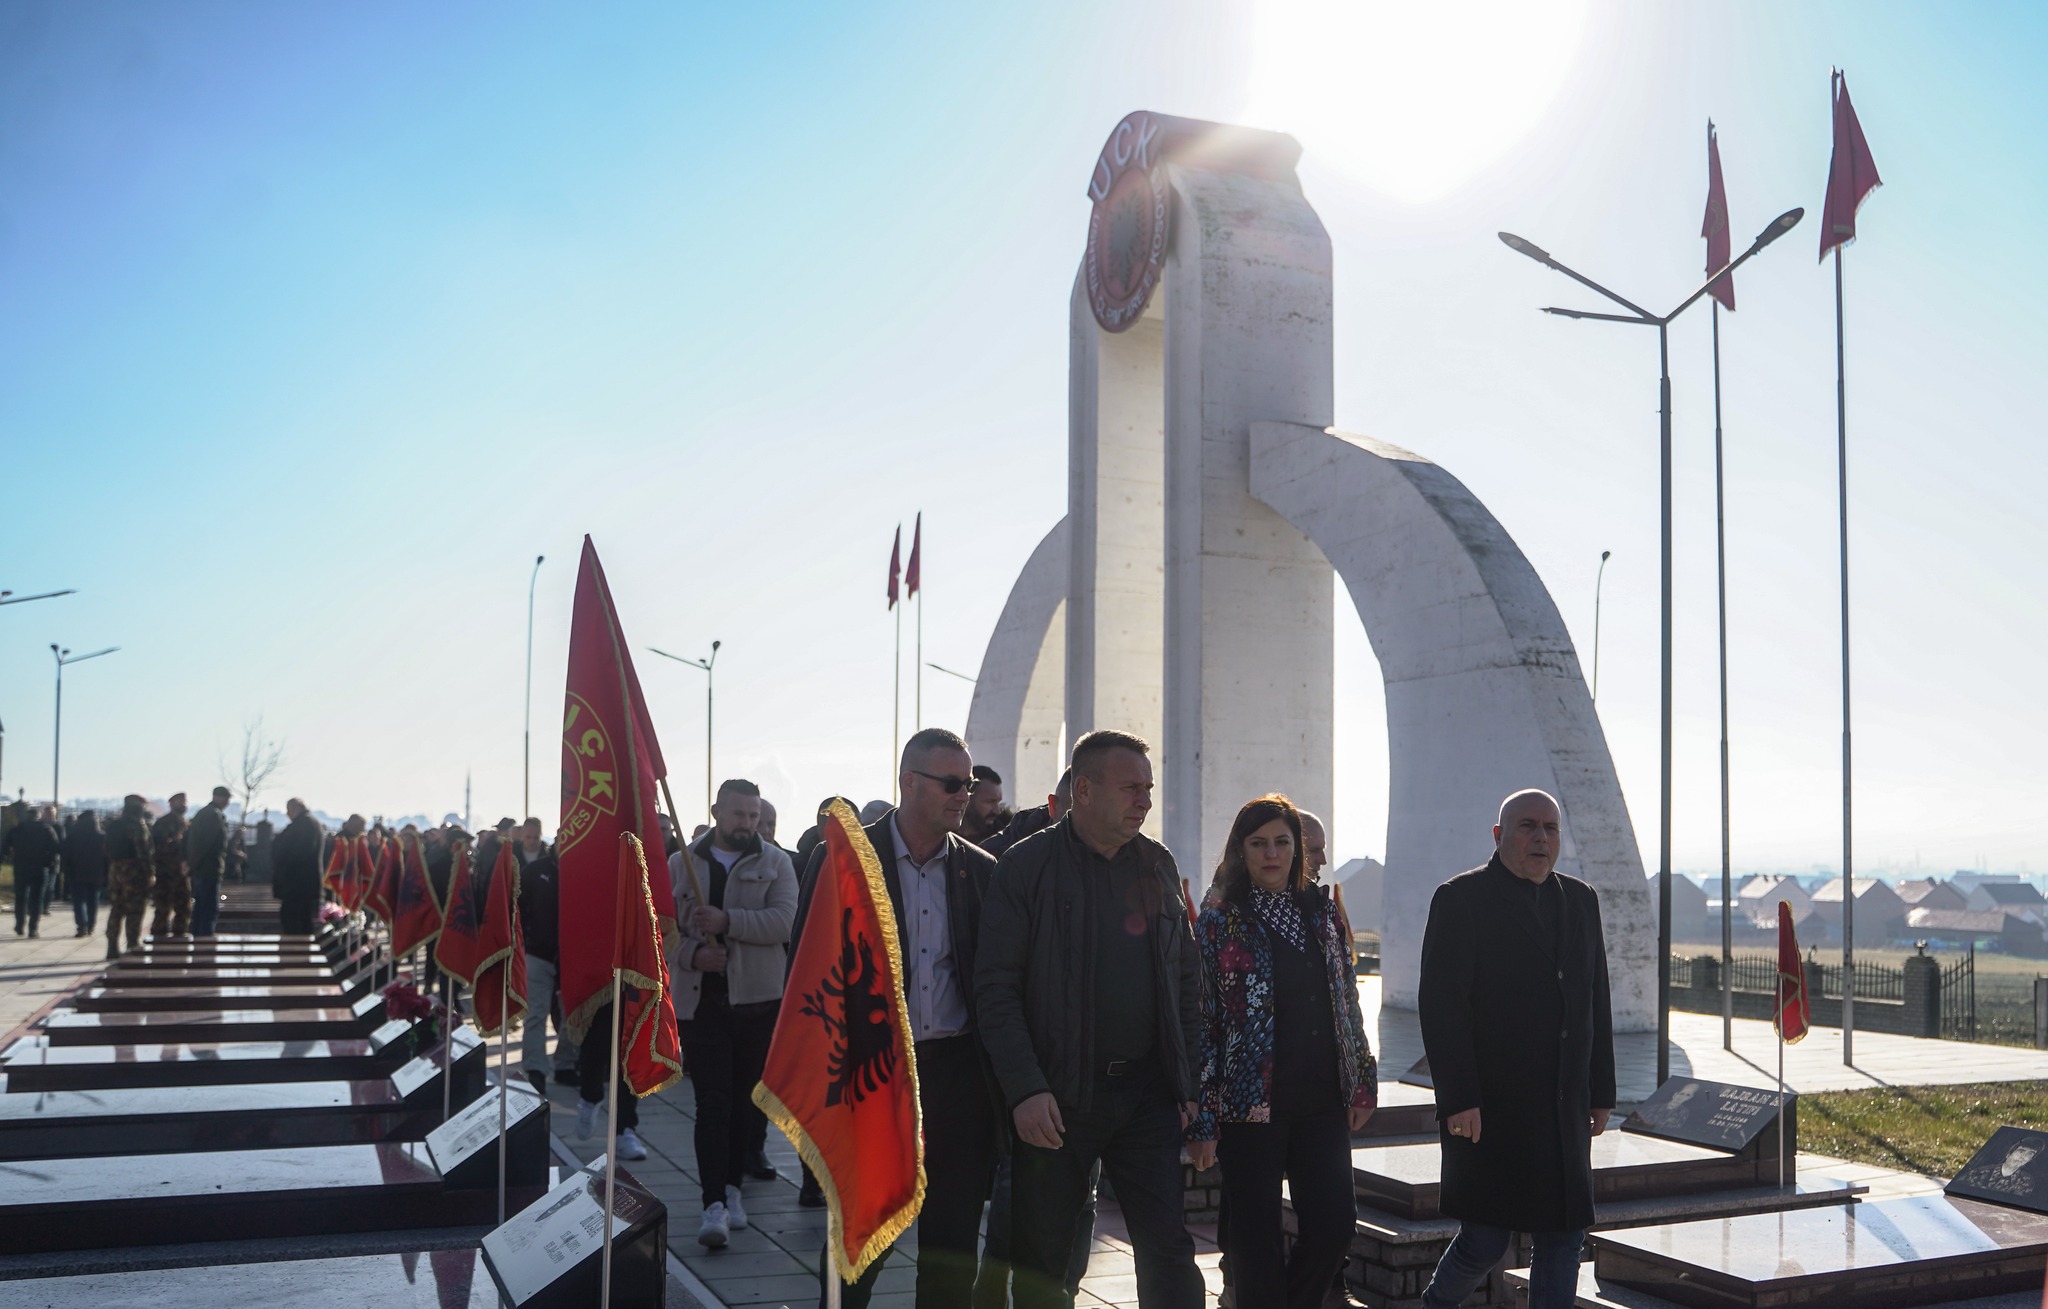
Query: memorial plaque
{"points": [[465, 1148], [2011, 1169], [166, 1199], [1719, 1115], [185, 1119], [1884, 1254], [414, 1279], [104, 999], [370, 1008], [73, 1027], [418, 1079], [550, 1255]]}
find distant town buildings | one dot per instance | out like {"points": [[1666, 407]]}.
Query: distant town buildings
{"points": [[1997, 911]]}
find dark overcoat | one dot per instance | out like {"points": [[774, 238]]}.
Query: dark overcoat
{"points": [[1516, 1023]]}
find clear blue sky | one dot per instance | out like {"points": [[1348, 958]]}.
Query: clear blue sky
{"points": [[321, 320]]}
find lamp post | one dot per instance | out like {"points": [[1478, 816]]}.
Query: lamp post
{"points": [[64, 656], [9, 598], [526, 790], [704, 664], [950, 673], [1599, 579], [1640, 317]]}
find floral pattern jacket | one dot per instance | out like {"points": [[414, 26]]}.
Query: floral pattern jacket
{"points": [[1238, 1020]]}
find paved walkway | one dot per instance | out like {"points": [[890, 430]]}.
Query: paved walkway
{"points": [[33, 973]]}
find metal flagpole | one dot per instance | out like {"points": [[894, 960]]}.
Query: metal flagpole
{"points": [[447, 1046], [1781, 1082], [917, 714], [611, 1136], [1664, 718], [1721, 589], [1848, 863], [504, 1071], [896, 709]]}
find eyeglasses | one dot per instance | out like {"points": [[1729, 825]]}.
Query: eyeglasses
{"points": [[952, 785]]}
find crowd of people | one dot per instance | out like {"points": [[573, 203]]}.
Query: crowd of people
{"points": [[1073, 1017]]}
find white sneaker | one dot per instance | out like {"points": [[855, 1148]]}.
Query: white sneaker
{"points": [[714, 1233], [586, 1119], [629, 1145], [735, 1212]]}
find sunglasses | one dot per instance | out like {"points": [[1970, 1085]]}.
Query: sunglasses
{"points": [[952, 785]]}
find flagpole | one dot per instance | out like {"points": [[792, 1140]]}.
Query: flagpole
{"points": [[1848, 863], [611, 1134], [1721, 589], [1781, 1088], [896, 710], [689, 864], [917, 715], [447, 1046], [504, 1071]]}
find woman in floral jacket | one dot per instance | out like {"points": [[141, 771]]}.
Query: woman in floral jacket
{"points": [[1287, 1072]]}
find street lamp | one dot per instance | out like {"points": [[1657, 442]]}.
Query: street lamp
{"points": [[1599, 579], [526, 791], [1641, 317], [64, 656], [9, 598], [949, 672], [704, 664]]}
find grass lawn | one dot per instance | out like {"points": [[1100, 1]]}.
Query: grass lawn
{"points": [[1932, 1130]]}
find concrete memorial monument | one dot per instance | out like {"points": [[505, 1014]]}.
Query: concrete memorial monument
{"points": [[1211, 504]]}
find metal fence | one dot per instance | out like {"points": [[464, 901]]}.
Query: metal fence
{"points": [[1959, 997]]}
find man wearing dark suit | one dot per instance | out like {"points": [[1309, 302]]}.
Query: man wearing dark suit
{"points": [[1515, 1021], [936, 884]]}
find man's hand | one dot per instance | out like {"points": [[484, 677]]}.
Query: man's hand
{"points": [[1359, 1115], [708, 921], [1202, 1154], [1038, 1121], [1597, 1120], [709, 959], [1465, 1124], [1189, 1112]]}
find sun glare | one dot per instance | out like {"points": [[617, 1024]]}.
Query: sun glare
{"points": [[1413, 98]]}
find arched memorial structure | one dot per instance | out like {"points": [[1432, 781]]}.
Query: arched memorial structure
{"points": [[1187, 595]]}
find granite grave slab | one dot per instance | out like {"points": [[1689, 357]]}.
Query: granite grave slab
{"points": [[2010, 1170], [420, 1279], [32, 1064], [105, 999], [1717, 1115], [551, 1254], [66, 1027]]}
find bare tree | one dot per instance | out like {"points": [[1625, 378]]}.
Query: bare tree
{"points": [[262, 756]]}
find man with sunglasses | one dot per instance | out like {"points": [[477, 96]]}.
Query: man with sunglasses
{"points": [[936, 883]]}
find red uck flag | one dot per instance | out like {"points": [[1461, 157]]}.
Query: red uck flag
{"points": [[650, 1051], [362, 874], [457, 948], [501, 952], [912, 571], [1793, 1015], [610, 761], [841, 1078], [1715, 226], [381, 896], [416, 912], [340, 858], [895, 564], [1852, 173]]}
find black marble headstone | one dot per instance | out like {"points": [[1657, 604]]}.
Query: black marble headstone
{"points": [[2011, 1169], [1719, 1116], [414, 1279], [465, 1148], [184, 1119], [32, 1064], [550, 1254], [77, 1027], [115, 999]]}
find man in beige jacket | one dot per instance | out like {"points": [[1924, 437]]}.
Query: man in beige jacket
{"points": [[727, 971]]}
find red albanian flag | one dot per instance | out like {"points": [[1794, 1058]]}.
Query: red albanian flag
{"points": [[895, 564], [650, 1051], [1852, 173], [610, 762], [501, 952], [841, 1078], [913, 572], [1714, 226], [1793, 1014], [417, 910], [340, 859], [362, 874], [458, 947], [380, 897]]}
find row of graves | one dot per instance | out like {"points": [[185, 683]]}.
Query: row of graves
{"points": [[1694, 1211], [260, 1119]]}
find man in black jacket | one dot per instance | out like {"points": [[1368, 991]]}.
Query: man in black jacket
{"points": [[1030, 822], [206, 859], [295, 868], [34, 847], [1090, 995], [1516, 1025], [937, 883]]}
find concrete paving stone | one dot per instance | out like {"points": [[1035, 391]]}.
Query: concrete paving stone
{"points": [[792, 1290], [709, 1264]]}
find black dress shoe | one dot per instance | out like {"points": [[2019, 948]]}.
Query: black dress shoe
{"points": [[811, 1196], [540, 1082], [758, 1167]]}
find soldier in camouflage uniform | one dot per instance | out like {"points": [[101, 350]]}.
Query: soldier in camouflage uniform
{"points": [[173, 915], [128, 874]]}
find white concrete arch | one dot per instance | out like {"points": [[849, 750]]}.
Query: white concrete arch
{"points": [[1484, 691], [1014, 721]]}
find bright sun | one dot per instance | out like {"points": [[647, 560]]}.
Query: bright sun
{"points": [[1412, 98]]}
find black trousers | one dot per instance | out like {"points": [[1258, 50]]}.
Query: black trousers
{"points": [[1313, 1153], [724, 1049], [1133, 1128], [959, 1165], [295, 911], [593, 1061]]}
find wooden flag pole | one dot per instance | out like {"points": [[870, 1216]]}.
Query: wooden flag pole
{"points": [[611, 1133], [689, 864]]}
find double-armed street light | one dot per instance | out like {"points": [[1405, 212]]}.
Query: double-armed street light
{"points": [[704, 664], [63, 657], [1641, 317], [526, 792]]}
